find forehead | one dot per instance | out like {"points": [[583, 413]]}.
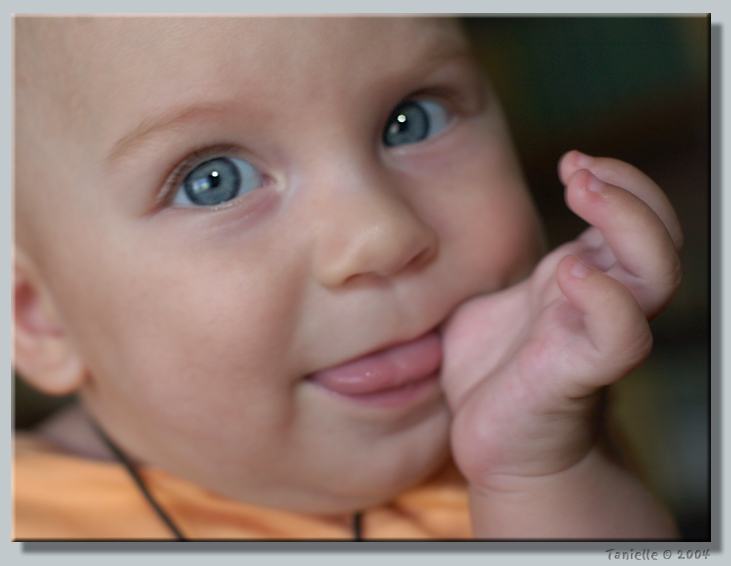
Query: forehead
{"points": [[257, 42], [151, 64], [118, 75]]}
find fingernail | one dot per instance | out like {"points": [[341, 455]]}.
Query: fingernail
{"points": [[594, 184], [579, 270], [582, 159]]}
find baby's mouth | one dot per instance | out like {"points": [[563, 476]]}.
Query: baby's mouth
{"points": [[404, 365]]}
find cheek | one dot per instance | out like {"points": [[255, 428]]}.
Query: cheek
{"points": [[479, 204], [499, 241], [184, 331]]}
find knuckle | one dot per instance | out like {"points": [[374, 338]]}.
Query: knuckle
{"points": [[630, 350], [670, 281], [638, 349]]}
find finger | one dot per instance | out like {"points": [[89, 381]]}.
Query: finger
{"points": [[622, 174], [617, 332], [646, 258]]}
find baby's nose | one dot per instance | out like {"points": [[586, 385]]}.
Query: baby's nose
{"points": [[372, 231]]}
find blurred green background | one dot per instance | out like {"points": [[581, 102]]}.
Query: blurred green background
{"points": [[635, 88]]}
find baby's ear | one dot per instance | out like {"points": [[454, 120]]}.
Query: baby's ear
{"points": [[42, 352]]}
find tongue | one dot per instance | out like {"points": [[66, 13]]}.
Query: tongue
{"points": [[386, 369]]}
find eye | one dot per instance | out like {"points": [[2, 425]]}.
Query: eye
{"points": [[217, 181], [414, 121]]}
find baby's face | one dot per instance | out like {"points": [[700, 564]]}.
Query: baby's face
{"points": [[237, 209]]}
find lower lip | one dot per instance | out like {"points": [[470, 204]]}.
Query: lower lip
{"points": [[392, 377]]}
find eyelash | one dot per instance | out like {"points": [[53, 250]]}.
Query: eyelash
{"points": [[176, 177], [422, 101]]}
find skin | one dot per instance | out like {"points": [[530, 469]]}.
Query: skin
{"points": [[190, 332]]}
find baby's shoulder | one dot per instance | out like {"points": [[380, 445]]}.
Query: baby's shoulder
{"points": [[57, 494]]}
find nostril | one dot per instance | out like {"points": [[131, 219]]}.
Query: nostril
{"points": [[408, 254], [425, 256]]}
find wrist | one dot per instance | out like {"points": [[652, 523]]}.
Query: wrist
{"points": [[597, 498]]}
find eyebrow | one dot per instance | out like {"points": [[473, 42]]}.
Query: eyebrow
{"points": [[152, 127]]}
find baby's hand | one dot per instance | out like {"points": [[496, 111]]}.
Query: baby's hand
{"points": [[523, 368]]}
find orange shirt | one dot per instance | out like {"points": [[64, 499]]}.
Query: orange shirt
{"points": [[60, 496]]}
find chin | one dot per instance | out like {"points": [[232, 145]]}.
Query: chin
{"points": [[380, 474]]}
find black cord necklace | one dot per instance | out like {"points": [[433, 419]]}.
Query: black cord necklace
{"points": [[357, 526], [134, 474], [130, 467]]}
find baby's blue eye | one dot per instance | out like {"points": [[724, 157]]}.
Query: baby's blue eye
{"points": [[217, 181], [414, 121]]}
